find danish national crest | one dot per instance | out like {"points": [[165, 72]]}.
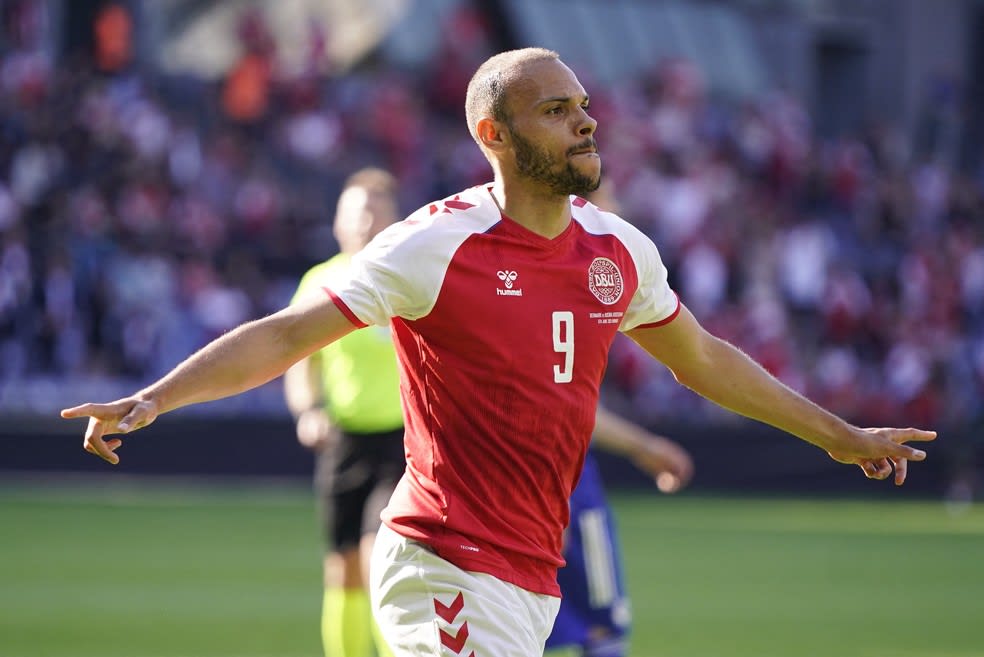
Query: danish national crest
{"points": [[605, 281]]}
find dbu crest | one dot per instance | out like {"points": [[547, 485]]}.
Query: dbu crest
{"points": [[605, 281]]}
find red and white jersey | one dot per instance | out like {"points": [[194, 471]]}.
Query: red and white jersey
{"points": [[502, 337]]}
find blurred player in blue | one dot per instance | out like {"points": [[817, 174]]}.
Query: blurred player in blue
{"points": [[595, 615]]}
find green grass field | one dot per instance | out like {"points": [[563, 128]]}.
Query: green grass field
{"points": [[135, 568]]}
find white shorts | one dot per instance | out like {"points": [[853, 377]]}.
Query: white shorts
{"points": [[427, 607]]}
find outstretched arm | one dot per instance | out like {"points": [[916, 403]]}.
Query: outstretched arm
{"points": [[243, 358], [724, 374], [668, 463]]}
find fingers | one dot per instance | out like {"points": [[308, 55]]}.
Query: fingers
{"points": [[94, 443], [887, 452], [676, 473], [667, 482], [121, 416], [913, 454], [106, 412], [918, 435], [82, 410], [685, 471], [901, 468], [906, 452], [882, 468], [892, 442], [876, 469], [902, 436]]}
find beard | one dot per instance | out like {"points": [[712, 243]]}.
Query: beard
{"points": [[561, 178]]}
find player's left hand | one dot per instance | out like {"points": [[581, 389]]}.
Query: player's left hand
{"points": [[121, 416], [668, 463], [879, 451]]}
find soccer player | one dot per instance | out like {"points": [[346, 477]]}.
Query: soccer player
{"points": [[595, 616], [503, 300], [345, 399]]}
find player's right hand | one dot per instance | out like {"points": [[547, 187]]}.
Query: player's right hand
{"points": [[121, 416]]}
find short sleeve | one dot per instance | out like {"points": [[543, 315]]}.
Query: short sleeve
{"points": [[401, 271], [380, 283], [654, 302]]}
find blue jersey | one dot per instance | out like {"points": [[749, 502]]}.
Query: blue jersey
{"points": [[594, 611]]}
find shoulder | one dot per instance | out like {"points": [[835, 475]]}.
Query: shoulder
{"points": [[401, 271], [596, 221], [440, 225], [638, 247], [469, 210]]}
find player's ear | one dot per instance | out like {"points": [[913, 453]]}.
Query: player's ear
{"points": [[491, 134]]}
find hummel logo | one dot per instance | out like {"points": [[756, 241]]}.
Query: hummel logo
{"points": [[450, 612], [507, 277], [453, 642]]}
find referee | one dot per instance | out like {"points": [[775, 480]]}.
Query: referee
{"points": [[346, 403]]}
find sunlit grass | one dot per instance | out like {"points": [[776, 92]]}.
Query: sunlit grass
{"points": [[136, 568]]}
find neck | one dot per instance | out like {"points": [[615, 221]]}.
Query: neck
{"points": [[546, 215]]}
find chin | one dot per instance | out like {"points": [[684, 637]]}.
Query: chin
{"points": [[591, 169], [592, 178]]}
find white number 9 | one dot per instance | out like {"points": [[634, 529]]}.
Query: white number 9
{"points": [[563, 342]]}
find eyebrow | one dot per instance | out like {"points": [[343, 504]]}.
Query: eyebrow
{"points": [[563, 99]]}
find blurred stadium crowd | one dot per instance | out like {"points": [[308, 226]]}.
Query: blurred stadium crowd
{"points": [[142, 214]]}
